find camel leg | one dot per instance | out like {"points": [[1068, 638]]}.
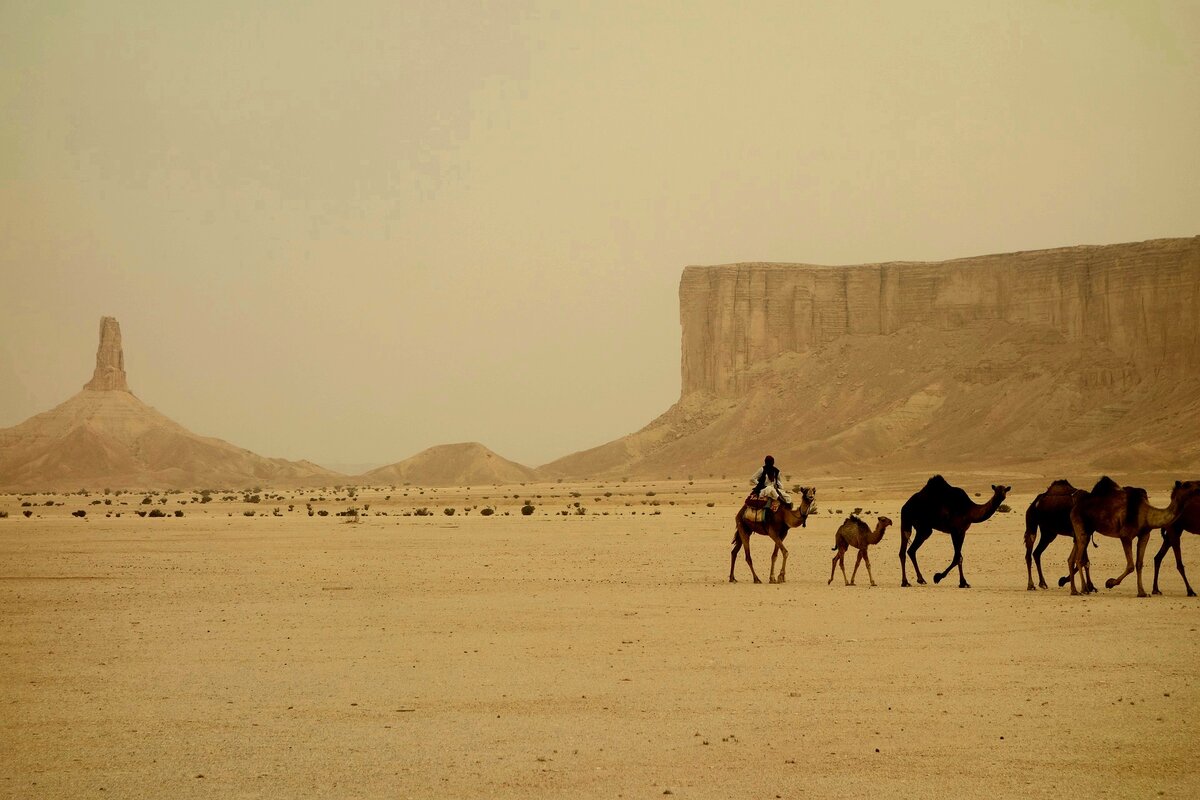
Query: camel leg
{"points": [[867, 560], [854, 572], [957, 538], [1078, 546], [1128, 545], [903, 569], [737, 545], [842, 562], [918, 540], [1179, 566], [1158, 557], [833, 566], [1143, 540], [779, 548], [749, 561], [1043, 543], [1030, 530], [1171, 541]]}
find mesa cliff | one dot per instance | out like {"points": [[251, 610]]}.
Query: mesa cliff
{"points": [[1072, 358]]}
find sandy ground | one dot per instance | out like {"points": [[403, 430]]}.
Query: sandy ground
{"points": [[220, 655]]}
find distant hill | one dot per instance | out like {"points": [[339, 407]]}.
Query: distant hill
{"points": [[463, 464], [105, 436], [1076, 358]]}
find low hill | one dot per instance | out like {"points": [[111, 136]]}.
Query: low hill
{"points": [[462, 464]]}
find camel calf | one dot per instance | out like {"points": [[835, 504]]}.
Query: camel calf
{"points": [[855, 533]]}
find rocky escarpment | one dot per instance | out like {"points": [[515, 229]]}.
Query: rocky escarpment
{"points": [[461, 464], [1139, 301], [1075, 358]]}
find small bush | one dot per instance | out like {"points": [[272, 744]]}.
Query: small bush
{"points": [[27, 513], [1004, 508], [527, 509], [146, 500], [321, 513], [178, 513], [158, 512], [247, 513], [449, 512], [486, 512], [80, 513], [3, 515]]}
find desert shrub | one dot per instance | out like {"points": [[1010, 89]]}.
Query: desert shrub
{"points": [[158, 512], [252, 498], [141, 513], [146, 500], [1004, 508], [3, 515], [26, 504], [527, 509], [49, 502], [322, 513], [178, 513], [580, 511], [487, 511], [422, 512], [710, 505], [448, 511], [650, 494], [27, 513], [277, 512], [247, 513], [79, 513]]}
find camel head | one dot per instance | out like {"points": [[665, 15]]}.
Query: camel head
{"points": [[882, 523], [1184, 491], [1000, 492], [808, 503], [881, 526]]}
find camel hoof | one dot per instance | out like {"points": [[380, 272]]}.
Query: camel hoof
{"points": [[1110, 583], [1073, 592], [1142, 594], [921, 581], [732, 579], [829, 582], [905, 584], [1191, 593], [756, 580], [772, 580], [781, 580], [1062, 582], [938, 578], [1156, 591], [1043, 586], [1031, 588], [873, 583], [964, 585]]}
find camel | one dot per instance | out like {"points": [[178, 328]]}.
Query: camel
{"points": [[1189, 521], [855, 533], [942, 507], [1123, 513], [1051, 511], [781, 521]]}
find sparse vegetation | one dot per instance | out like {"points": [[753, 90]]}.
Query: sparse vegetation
{"points": [[527, 509]]}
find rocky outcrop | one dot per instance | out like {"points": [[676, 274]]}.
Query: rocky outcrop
{"points": [[110, 360], [1048, 361], [461, 464], [1137, 300], [104, 436]]}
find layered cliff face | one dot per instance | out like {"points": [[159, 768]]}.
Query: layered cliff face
{"points": [[1140, 301], [1075, 359]]}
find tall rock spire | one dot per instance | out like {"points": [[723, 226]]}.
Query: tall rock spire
{"points": [[110, 360]]}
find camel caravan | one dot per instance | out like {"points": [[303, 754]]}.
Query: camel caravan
{"points": [[1120, 512]]}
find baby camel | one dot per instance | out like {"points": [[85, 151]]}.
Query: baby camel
{"points": [[855, 533]]}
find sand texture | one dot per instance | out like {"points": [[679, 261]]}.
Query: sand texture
{"points": [[601, 654]]}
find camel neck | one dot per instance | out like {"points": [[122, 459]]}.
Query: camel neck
{"points": [[982, 513]]}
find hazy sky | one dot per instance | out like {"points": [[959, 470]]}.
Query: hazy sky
{"points": [[348, 231]]}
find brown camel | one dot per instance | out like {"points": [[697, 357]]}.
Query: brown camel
{"points": [[938, 506], [1188, 521], [777, 530], [1051, 511], [855, 533], [1123, 513]]}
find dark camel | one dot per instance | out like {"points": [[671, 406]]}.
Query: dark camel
{"points": [[938, 506], [777, 530], [855, 533], [1123, 513], [1051, 511], [1190, 522]]}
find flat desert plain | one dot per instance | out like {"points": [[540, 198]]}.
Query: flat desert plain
{"points": [[588, 655]]}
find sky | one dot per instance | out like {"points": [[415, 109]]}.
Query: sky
{"points": [[349, 231]]}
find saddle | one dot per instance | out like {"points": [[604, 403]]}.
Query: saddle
{"points": [[756, 506]]}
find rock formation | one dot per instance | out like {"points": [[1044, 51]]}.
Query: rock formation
{"points": [[1078, 357], [104, 436], [463, 464], [110, 360]]}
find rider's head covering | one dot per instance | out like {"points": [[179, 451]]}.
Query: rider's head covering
{"points": [[769, 461]]}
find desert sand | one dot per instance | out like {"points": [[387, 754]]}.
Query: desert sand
{"points": [[601, 654]]}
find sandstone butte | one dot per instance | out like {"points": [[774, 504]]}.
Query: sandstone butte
{"points": [[105, 436], [1078, 358], [462, 464]]}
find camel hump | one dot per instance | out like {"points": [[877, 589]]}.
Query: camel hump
{"points": [[1105, 485], [1060, 486], [1134, 498], [937, 482]]}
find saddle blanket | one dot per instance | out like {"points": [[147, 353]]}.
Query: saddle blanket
{"points": [[754, 514]]}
